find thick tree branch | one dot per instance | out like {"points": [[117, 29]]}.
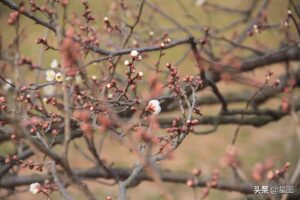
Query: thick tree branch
{"points": [[124, 173]]}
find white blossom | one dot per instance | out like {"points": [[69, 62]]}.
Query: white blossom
{"points": [[126, 62], [139, 57], [50, 75], [110, 96], [155, 105], [54, 64], [200, 2], [59, 77], [134, 53], [151, 33], [108, 85], [140, 74], [35, 188]]}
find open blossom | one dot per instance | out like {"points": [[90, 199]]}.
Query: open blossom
{"points": [[59, 77], [54, 64], [200, 2], [50, 75], [35, 188], [154, 106], [126, 62], [134, 53]]}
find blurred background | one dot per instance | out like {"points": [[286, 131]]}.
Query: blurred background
{"points": [[276, 141]]}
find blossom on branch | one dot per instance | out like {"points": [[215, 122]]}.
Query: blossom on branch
{"points": [[35, 188], [154, 107]]}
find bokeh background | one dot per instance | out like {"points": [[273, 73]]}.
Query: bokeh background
{"points": [[276, 141]]}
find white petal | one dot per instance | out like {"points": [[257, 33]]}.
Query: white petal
{"points": [[54, 64], [200, 2], [126, 62], [157, 110], [34, 188], [154, 102], [50, 75], [134, 53]]}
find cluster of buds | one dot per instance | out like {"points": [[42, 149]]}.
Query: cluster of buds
{"points": [[193, 182], [13, 17], [53, 102], [256, 28], [30, 164], [25, 60], [188, 79], [213, 182], [107, 25], [165, 40], [205, 40], [25, 98], [173, 80], [90, 106], [44, 9], [278, 173], [35, 124], [136, 56], [275, 83], [92, 39], [175, 127], [3, 102], [87, 11], [260, 170], [45, 189], [15, 160], [231, 158], [178, 127], [130, 72], [11, 160], [286, 22], [43, 41], [191, 123], [196, 172], [112, 84]]}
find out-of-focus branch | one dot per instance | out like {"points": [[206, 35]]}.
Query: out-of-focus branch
{"points": [[36, 19], [166, 176], [259, 118]]}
